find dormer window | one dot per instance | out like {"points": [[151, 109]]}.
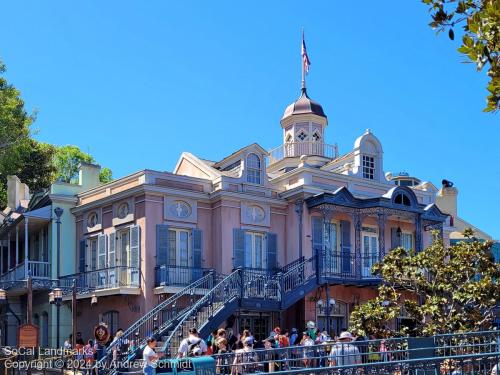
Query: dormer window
{"points": [[316, 137], [253, 169], [402, 199], [302, 136], [368, 167]]}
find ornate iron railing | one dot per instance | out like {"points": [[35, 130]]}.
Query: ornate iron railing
{"points": [[260, 285], [347, 265], [177, 275], [226, 290], [298, 274], [297, 149], [468, 353], [157, 320], [36, 269], [113, 277]]}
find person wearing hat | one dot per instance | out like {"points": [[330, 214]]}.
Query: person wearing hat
{"points": [[307, 341], [192, 346], [245, 360], [344, 353], [311, 330]]}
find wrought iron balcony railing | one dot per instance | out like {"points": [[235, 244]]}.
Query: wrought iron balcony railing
{"points": [[113, 277], [347, 266], [297, 149], [178, 275], [36, 269]]}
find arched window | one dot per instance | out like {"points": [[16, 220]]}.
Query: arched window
{"points": [[253, 169], [402, 199]]}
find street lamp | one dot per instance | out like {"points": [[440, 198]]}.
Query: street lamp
{"points": [[55, 298], [3, 297], [58, 211], [93, 300]]}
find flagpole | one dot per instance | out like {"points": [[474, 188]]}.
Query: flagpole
{"points": [[303, 86]]}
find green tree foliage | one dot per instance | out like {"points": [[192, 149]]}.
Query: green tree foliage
{"points": [[36, 164], [441, 290], [106, 175], [14, 120], [19, 154], [480, 21], [66, 161]]}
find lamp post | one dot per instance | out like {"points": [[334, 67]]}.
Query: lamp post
{"points": [[58, 211], [55, 298]]}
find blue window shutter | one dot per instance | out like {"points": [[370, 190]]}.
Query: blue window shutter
{"points": [[82, 259], [272, 251], [394, 238], [238, 248], [345, 244], [101, 251], [135, 246], [161, 244], [317, 233], [197, 247]]}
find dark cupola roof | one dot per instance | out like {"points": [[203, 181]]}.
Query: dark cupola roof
{"points": [[304, 105]]}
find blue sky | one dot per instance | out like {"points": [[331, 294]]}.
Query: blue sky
{"points": [[211, 77]]}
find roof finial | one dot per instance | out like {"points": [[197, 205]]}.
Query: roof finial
{"points": [[305, 63]]}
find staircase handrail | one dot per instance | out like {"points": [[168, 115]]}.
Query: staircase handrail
{"points": [[206, 282], [298, 274], [224, 288]]}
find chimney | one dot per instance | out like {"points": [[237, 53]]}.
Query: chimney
{"points": [[446, 198], [16, 192], [88, 175]]}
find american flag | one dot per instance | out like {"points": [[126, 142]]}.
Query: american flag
{"points": [[305, 59]]}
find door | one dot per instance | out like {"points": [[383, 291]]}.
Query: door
{"points": [[369, 255], [179, 259], [259, 325], [255, 252]]}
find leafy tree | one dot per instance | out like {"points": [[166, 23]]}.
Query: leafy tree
{"points": [[481, 35], [14, 120], [441, 290], [106, 175], [66, 161], [19, 154]]}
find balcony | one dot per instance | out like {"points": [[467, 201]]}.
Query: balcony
{"points": [[297, 149], [348, 268], [36, 269], [106, 278], [177, 275]]}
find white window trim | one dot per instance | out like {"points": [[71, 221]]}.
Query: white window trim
{"points": [[178, 232], [374, 169], [253, 235], [412, 239], [254, 169]]}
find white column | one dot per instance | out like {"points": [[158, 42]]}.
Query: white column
{"points": [[26, 242], [17, 245], [8, 251]]}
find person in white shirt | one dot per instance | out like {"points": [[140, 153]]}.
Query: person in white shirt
{"points": [[192, 346], [150, 357], [68, 343], [344, 353]]}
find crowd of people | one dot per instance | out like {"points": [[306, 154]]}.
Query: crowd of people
{"points": [[242, 353]]}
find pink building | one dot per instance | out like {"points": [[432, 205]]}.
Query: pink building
{"points": [[144, 237]]}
